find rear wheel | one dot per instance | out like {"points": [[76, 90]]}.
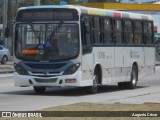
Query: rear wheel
{"points": [[134, 78], [39, 90], [4, 60]]}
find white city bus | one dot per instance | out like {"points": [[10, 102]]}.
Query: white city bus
{"points": [[82, 47]]}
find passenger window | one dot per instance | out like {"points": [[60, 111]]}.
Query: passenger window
{"points": [[96, 30], [107, 31], [128, 32], [117, 32], [137, 33], [148, 39]]}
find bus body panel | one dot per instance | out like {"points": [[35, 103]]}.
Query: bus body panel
{"points": [[103, 56], [149, 56], [127, 56]]}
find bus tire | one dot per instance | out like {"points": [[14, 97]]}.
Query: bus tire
{"points": [[94, 88], [39, 90], [134, 78]]}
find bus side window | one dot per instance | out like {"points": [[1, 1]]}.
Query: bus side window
{"points": [[86, 35], [137, 33], [151, 34], [147, 29], [107, 31], [128, 32], [117, 32], [96, 30]]}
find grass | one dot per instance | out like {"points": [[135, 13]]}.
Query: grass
{"points": [[106, 107]]}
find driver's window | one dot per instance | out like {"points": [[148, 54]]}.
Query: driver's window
{"points": [[86, 31]]}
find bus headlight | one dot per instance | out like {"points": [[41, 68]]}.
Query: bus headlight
{"points": [[20, 70], [72, 69]]}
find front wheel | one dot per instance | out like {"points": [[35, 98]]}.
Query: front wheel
{"points": [[39, 90], [94, 88]]}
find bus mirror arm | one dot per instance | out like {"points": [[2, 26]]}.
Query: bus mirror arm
{"points": [[87, 49]]}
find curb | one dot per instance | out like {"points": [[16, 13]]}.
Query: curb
{"points": [[5, 72]]}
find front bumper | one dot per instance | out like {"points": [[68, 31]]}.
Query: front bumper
{"points": [[56, 81]]}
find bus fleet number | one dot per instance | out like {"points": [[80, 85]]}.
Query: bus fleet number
{"points": [[101, 55]]}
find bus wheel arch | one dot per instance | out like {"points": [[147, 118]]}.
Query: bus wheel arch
{"points": [[98, 71]]}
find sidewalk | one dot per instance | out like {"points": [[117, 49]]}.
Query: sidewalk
{"points": [[7, 68]]}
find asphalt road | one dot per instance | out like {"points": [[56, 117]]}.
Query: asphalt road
{"points": [[24, 99]]}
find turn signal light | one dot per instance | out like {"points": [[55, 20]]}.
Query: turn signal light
{"points": [[70, 81]]}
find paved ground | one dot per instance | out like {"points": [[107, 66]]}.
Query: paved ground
{"points": [[7, 68]]}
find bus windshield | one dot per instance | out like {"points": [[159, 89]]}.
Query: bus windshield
{"points": [[46, 41]]}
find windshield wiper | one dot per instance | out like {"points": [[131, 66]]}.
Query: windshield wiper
{"points": [[56, 29], [34, 32]]}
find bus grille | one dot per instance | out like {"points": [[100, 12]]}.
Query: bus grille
{"points": [[52, 80], [45, 66]]}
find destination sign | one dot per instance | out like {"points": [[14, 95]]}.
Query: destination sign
{"points": [[47, 15]]}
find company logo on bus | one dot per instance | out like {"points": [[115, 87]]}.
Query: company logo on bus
{"points": [[45, 73]]}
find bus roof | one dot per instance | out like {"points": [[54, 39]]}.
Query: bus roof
{"points": [[96, 11]]}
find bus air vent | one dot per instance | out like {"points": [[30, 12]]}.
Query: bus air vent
{"points": [[52, 80]]}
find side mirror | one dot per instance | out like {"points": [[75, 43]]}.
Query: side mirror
{"points": [[87, 49]]}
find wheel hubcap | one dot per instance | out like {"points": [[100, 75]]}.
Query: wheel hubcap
{"points": [[95, 81]]}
